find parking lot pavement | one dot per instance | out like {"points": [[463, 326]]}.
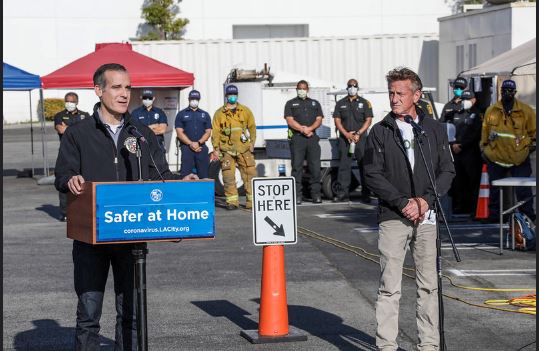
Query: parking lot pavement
{"points": [[201, 294]]}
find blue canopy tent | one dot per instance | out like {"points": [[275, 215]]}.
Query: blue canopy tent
{"points": [[15, 79]]}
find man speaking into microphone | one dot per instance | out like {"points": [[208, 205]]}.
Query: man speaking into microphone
{"points": [[103, 148], [396, 173]]}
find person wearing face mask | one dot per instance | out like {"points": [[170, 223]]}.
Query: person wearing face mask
{"points": [[303, 116], [151, 116], [233, 140], [62, 120], [352, 116], [193, 128], [397, 175], [507, 138], [466, 117], [454, 105]]}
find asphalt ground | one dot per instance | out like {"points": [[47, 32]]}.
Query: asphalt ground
{"points": [[201, 294]]}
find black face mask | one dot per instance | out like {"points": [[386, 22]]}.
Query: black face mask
{"points": [[508, 99], [508, 95]]}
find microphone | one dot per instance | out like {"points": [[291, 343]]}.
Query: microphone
{"points": [[135, 132], [408, 119]]}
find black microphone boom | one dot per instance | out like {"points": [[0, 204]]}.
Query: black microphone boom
{"points": [[417, 127], [135, 132]]}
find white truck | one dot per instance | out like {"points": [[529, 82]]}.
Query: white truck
{"points": [[265, 94]]}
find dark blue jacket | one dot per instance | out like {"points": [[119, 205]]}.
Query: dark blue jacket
{"points": [[193, 123], [388, 172], [87, 149]]}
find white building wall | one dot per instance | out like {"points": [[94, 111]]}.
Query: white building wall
{"points": [[333, 60], [494, 29], [213, 19], [42, 36]]}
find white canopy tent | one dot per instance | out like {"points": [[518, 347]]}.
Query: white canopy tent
{"points": [[517, 64]]}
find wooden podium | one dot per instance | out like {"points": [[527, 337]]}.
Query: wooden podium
{"points": [[141, 212], [133, 206]]}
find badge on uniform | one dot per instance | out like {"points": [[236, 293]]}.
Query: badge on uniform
{"points": [[156, 116], [360, 105], [314, 104], [131, 144], [82, 117]]}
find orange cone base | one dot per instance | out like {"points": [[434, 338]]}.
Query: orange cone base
{"points": [[273, 321], [293, 335]]}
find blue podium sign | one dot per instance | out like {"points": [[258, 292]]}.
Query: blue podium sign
{"points": [[154, 211]]}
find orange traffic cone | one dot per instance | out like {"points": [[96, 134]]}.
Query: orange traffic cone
{"points": [[481, 211], [273, 320], [273, 306]]}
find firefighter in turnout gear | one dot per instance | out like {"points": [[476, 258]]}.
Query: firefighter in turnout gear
{"points": [[507, 138], [233, 139]]}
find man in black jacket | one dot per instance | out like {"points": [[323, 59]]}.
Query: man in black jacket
{"points": [[466, 118], [101, 149], [395, 172]]}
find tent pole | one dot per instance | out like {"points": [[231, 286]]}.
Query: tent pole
{"points": [[45, 164], [31, 131]]}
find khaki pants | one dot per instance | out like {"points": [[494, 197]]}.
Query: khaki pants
{"points": [[394, 238], [246, 164]]}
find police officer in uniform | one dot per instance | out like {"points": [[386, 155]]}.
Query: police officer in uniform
{"points": [[233, 139], [193, 128], [63, 119], [508, 135], [303, 116], [459, 85], [466, 118], [151, 116], [353, 116]]}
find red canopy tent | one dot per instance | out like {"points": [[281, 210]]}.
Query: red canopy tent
{"points": [[143, 70]]}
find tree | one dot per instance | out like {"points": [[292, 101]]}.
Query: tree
{"points": [[160, 15]]}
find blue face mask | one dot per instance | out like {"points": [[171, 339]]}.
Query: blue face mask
{"points": [[458, 92], [232, 99]]}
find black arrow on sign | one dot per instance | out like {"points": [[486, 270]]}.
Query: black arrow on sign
{"points": [[278, 230]]}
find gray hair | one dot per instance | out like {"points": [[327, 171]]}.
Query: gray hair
{"points": [[403, 73], [99, 75]]}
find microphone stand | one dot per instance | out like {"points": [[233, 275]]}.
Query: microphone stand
{"points": [[439, 211], [139, 252]]}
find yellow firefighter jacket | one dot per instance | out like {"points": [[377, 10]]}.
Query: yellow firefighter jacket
{"points": [[233, 132], [505, 139]]}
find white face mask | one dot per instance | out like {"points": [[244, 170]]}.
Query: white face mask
{"points": [[193, 103], [147, 102], [71, 106], [302, 94], [352, 91], [466, 104]]}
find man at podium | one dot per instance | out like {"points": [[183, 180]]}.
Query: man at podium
{"points": [[103, 148]]}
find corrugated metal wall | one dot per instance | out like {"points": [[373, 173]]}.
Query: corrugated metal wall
{"points": [[333, 59]]}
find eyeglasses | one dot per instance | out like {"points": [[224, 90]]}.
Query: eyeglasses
{"points": [[351, 86], [508, 90]]}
